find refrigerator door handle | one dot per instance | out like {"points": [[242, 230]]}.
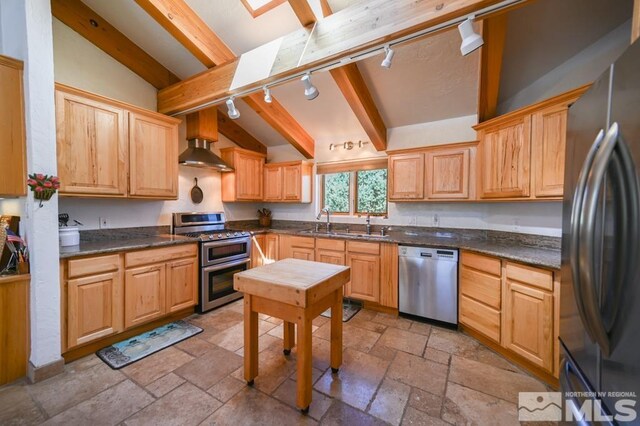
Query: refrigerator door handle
{"points": [[576, 225]]}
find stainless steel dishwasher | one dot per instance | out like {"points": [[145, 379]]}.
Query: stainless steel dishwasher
{"points": [[428, 280]]}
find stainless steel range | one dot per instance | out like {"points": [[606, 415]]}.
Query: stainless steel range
{"points": [[223, 252]]}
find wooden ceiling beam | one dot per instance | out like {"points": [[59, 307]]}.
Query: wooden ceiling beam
{"points": [[349, 32], [635, 25], [230, 129], [188, 28], [357, 94], [303, 11], [494, 33], [83, 20]]}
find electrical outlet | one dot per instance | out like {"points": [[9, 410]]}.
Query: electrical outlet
{"points": [[436, 220], [104, 223]]}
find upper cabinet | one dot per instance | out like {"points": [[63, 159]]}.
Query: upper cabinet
{"points": [[522, 154], [438, 173], [245, 182], [12, 139], [105, 148], [288, 182]]}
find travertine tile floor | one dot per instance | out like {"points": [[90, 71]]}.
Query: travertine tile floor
{"points": [[395, 371]]}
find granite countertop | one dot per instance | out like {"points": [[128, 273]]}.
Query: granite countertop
{"points": [[113, 245], [535, 250]]}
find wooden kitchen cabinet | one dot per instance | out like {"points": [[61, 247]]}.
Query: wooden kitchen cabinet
{"points": [[291, 246], [271, 252], [153, 156], [364, 260], [288, 182], [245, 183], [12, 129], [108, 148], [406, 176], [144, 294], [330, 251], [258, 245], [182, 284], [449, 172], [548, 141]]}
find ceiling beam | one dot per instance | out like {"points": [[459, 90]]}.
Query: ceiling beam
{"points": [[77, 16], [83, 20], [303, 11], [238, 135], [357, 94], [349, 32], [494, 33], [635, 25], [188, 28]]}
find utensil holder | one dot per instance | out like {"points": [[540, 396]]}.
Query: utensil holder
{"points": [[265, 221]]}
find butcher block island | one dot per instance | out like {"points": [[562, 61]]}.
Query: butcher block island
{"points": [[295, 291]]}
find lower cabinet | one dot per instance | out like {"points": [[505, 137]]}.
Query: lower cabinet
{"points": [[295, 247], [257, 250], [105, 295], [365, 276]]}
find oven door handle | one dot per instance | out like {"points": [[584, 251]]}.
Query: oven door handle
{"points": [[226, 242], [220, 266]]}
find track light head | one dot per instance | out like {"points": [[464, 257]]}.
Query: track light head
{"points": [[232, 111], [470, 39], [310, 91], [386, 63], [267, 95]]}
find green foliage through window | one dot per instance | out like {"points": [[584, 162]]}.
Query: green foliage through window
{"points": [[372, 191], [336, 192]]}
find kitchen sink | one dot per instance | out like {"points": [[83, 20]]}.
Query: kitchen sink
{"points": [[343, 233]]}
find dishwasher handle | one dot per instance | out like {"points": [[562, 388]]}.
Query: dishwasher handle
{"points": [[426, 254]]}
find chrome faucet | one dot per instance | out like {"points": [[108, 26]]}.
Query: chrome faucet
{"points": [[328, 213], [368, 224]]}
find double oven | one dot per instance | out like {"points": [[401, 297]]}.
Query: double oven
{"points": [[223, 253]]}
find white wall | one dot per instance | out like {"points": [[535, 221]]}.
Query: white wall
{"points": [[26, 35]]}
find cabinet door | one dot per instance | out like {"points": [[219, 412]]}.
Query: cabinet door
{"points": [[273, 183], [182, 284], [292, 183], [548, 139], [447, 173], [304, 253], [528, 323], [93, 308], [91, 146], [257, 250], [249, 175], [406, 177], [505, 153], [330, 256], [153, 150], [144, 294], [271, 248], [365, 276], [12, 140]]}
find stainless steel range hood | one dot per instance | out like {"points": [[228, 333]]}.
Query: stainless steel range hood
{"points": [[199, 154]]}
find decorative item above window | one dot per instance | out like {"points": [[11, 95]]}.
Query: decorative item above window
{"points": [[349, 145]]}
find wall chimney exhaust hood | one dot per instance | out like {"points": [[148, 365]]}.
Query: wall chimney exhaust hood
{"points": [[198, 154]]}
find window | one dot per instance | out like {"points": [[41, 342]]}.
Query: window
{"points": [[357, 192], [258, 7]]}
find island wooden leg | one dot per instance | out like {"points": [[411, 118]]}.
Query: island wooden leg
{"points": [[336, 332], [304, 383], [289, 336], [250, 341]]}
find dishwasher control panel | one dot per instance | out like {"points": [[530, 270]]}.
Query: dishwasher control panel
{"points": [[428, 253]]}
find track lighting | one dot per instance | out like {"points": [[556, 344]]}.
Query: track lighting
{"points": [[332, 147], [386, 63], [348, 145], [231, 109], [470, 39], [267, 95], [310, 91]]}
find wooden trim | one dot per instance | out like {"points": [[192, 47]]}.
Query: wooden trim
{"points": [[352, 166], [303, 11], [6, 279], [635, 26], [244, 151], [263, 9], [203, 124], [79, 17], [566, 97], [11, 62], [189, 29], [236, 134], [434, 147], [494, 32], [349, 32]]}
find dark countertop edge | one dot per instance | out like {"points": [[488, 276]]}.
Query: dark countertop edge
{"points": [[117, 246], [469, 245]]}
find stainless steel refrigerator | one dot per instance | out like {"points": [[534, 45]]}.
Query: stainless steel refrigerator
{"points": [[600, 293]]}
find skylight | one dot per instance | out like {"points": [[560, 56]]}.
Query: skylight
{"points": [[258, 7]]}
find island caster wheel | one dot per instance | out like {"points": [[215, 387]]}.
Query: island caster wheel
{"points": [[305, 411], [334, 370], [250, 383], [287, 351]]}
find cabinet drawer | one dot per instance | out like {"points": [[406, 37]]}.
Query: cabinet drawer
{"points": [[146, 257], [481, 287], [490, 265], [529, 275], [480, 317], [329, 244], [362, 247], [93, 265], [305, 242]]}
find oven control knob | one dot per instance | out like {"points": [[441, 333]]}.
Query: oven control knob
{"points": [[211, 236], [219, 235], [228, 234], [235, 234]]}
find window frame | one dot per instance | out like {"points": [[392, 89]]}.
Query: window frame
{"points": [[322, 194], [353, 196], [262, 9]]}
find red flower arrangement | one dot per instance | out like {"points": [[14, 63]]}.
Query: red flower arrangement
{"points": [[43, 186]]}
